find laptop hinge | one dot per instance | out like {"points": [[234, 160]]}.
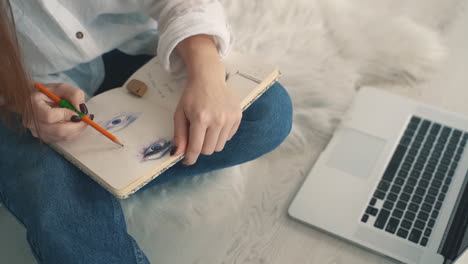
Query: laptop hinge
{"points": [[455, 231]]}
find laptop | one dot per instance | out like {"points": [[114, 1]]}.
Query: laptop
{"points": [[393, 180]]}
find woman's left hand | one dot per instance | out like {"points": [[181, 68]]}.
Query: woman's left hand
{"points": [[207, 116]]}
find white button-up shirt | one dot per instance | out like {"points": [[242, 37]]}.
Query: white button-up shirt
{"points": [[63, 40]]}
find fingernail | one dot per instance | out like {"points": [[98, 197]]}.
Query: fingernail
{"points": [[83, 109], [91, 116], [75, 119], [174, 150]]}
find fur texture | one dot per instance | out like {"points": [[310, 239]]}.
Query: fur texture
{"points": [[325, 49]]}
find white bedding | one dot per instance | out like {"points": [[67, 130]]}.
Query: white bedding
{"points": [[325, 49]]}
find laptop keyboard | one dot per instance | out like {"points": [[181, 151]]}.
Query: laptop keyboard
{"points": [[412, 190]]}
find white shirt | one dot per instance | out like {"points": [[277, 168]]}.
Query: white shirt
{"points": [[62, 40]]}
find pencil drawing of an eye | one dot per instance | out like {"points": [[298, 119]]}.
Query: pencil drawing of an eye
{"points": [[120, 121], [156, 150]]}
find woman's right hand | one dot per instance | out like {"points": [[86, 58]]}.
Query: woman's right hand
{"points": [[55, 123]]}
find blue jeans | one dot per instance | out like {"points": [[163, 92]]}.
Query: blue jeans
{"points": [[70, 219]]}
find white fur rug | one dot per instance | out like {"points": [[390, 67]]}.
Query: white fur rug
{"points": [[325, 49]]}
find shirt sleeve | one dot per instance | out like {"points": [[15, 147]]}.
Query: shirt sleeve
{"points": [[180, 19]]}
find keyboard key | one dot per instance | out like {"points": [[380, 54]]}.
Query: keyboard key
{"points": [[419, 166], [406, 224], [414, 121], [433, 191], [410, 215], [438, 205], [423, 183], [426, 207], [435, 213], [395, 189], [365, 218], [408, 189], [424, 126], [411, 181], [383, 186], [415, 235], [403, 233], [413, 207], [379, 194], [392, 225], [419, 138], [423, 216], [424, 241], [399, 181], [436, 183], [416, 199], [405, 140], [372, 202], [405, 197], [419, 224], [441, 197], [451, 173], [388, 205], [406, 166], [382, 218], [420, 191], [401, 205], [413, 152], [397, 213], [426, 175], [392, 197], [403, 174], [440, 175], [427, 232], [445, 131], [431, 223], [414, 174], [371, 211], [430, 199], [435, 129]]}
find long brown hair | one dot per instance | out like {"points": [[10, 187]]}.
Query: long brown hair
{"points": [[15, 89]]}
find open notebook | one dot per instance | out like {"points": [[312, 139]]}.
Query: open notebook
{"points": [[145, 124]]}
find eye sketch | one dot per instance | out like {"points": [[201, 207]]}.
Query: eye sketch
{"points": [[156, 150], [120, 121]]}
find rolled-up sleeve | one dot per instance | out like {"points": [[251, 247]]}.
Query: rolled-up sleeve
{"points": [[180, 19]]}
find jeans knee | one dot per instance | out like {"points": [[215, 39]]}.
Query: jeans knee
{"points": [[271, 117]]}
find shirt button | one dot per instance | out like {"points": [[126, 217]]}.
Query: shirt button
{"points": [[79, 35]]}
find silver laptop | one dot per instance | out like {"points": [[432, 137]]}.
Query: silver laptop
{"points": [[393, 180]]}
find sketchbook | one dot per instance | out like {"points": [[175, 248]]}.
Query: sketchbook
{"points": [[145, 124]]}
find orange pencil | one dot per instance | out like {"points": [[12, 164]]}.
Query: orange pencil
{"points": [[66, 104]]}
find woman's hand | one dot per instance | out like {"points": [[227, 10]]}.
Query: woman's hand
{"points": [[55, 123], [208, 114]]}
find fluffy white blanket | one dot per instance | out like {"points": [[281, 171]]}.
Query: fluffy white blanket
{"points": [[326, 49]]}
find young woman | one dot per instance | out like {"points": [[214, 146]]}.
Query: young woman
{"points": [[80, 48]]}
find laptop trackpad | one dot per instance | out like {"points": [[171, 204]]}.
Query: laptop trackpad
{"points": [[356, 152]]}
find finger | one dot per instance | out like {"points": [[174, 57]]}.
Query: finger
{"points": [[47, 113], [180, 132], [34, 132], [211, 139], [195, 143], [223, 137], [63, 131], [234, 129], [74, 95]]}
